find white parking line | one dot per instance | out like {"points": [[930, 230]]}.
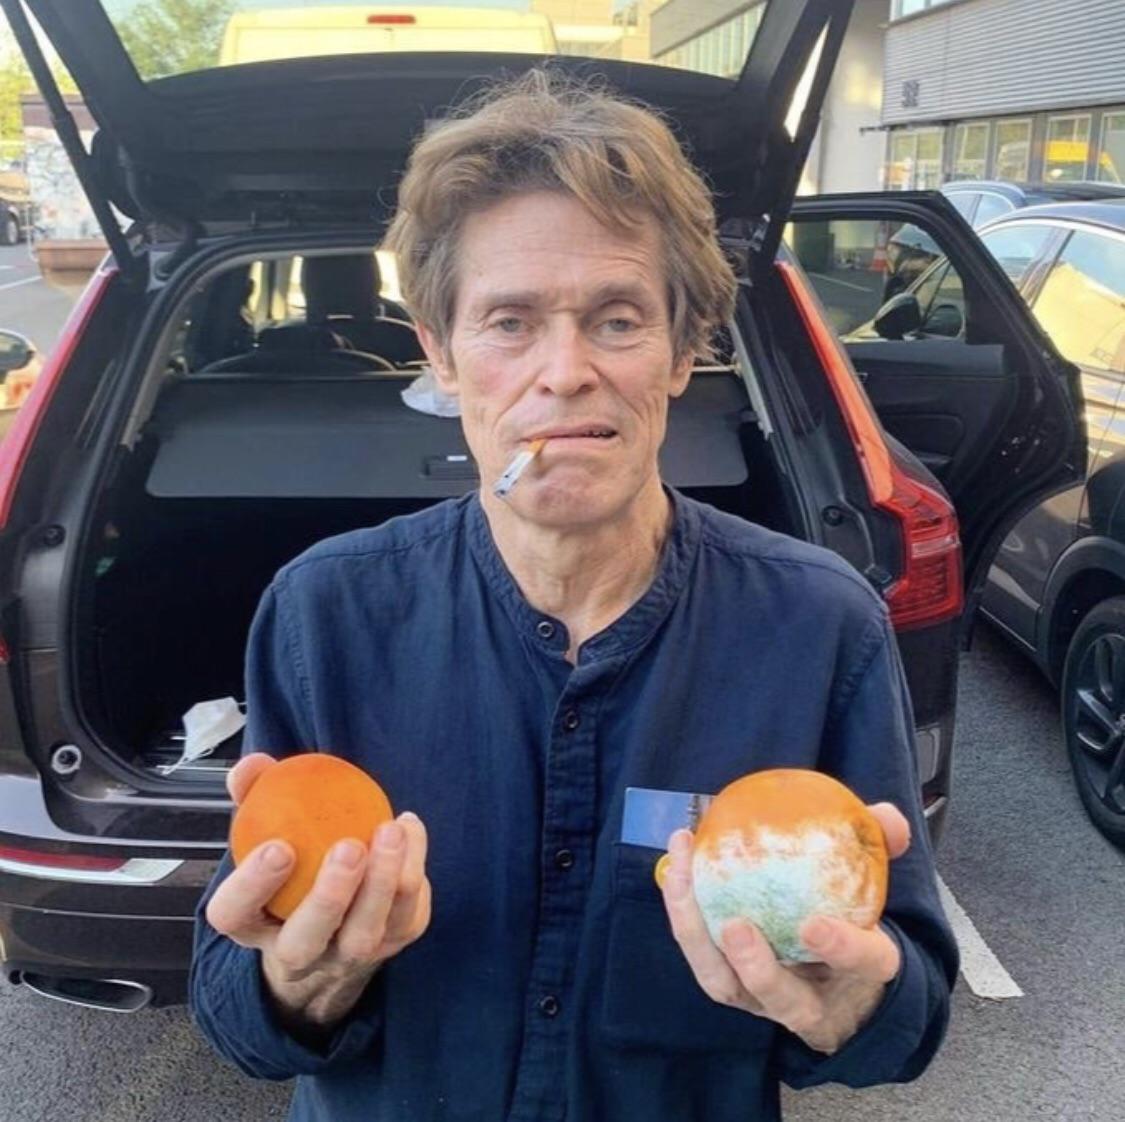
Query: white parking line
{"points": [[16, 284], [836, 280], [979, 966]]}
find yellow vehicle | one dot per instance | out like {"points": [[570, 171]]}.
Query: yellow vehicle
{"points": [[276, 33]]}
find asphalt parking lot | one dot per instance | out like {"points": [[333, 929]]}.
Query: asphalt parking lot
{"points": [[1041, 886]]}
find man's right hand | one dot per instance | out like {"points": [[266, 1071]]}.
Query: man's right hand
{"points": [[366, 905]]}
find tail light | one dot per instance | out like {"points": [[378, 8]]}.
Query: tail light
{"points": [[85, 868], [16, 446], [930, 589], [84, 862]]}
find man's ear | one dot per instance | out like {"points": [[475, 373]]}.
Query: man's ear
{"points": [[444, 374], [681, 375]]}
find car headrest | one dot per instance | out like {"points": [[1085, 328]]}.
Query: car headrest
{"points": [[300, 337], [346, 285]]}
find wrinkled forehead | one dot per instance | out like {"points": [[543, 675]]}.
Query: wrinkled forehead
{"points": [[548, 246]]}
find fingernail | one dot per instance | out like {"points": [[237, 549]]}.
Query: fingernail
{"points": [[347, 853], [390, 835], [818, 934], [680, 842], [275, 858], [738, 937]]}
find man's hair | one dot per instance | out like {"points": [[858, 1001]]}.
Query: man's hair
{"points": [[546, 131]]}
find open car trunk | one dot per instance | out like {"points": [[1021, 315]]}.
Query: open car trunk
{"points": [[235, 475]]}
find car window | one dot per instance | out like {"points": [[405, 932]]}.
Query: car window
{"points": [[1082, 302], [1017, 246], [941, 298], [857, 265], [963, 202], [991, 206]]}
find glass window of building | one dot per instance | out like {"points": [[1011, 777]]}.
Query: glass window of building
{"points": [[915, 160], [1068, 148], [1013, 150], [1082, 302], [970, 150], [1111, 157], [900, 8]]}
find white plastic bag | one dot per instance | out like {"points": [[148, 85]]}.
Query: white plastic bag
{"points": [[424, 395], [206, 725]]}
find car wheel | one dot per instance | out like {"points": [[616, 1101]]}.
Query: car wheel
{"points": [[1093, 712]]}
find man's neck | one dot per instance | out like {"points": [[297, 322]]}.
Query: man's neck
{"points": [[587, 578]]}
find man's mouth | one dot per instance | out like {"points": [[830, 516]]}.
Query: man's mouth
{"points": [[577, 434]]}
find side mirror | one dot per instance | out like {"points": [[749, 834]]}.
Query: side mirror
{"points": [[15, 351], [899, 316], [946, 320]]}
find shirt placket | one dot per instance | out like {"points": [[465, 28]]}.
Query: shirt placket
{"points": [[566, 866]]}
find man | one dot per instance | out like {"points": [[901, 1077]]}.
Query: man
{"points": [[506, 668]]}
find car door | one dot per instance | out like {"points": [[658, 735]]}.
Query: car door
{"points": [[1078, 297], [956, 366]]}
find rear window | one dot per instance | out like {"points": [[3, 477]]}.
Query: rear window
{"points": [[167, 39]]}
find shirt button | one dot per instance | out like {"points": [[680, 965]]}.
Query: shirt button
{"points": [[564, 859], [545, 628], [571, 720], [549, 1006]]}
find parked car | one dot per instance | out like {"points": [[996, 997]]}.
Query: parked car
{"points": [[1057, 585], [910, 251], [191, 433]]}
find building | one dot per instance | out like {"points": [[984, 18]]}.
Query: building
{"points": [[1004, 89], [714, 36], [617, 29], [931, 90]]}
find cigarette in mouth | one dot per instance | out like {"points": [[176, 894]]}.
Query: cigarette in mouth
{"points": [[516, 468]]}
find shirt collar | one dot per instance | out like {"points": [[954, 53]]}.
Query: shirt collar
{"points": [[547, 633]]}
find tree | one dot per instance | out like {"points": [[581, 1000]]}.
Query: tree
{"points": [[16, 80], [173, 36]]}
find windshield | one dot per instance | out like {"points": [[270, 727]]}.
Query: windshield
{"points": [[166, 37]]}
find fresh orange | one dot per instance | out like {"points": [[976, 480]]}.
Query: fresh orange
{"points": [[312, 801], [779, 846]]}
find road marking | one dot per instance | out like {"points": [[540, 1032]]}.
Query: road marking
{"points": [[979, 966], [16, 284], [846, 284]]}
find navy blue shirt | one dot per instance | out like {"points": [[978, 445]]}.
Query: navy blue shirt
{"points": [[548, 985]]}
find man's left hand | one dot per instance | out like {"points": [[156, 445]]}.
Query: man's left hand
{"points": [[824, 1003]]}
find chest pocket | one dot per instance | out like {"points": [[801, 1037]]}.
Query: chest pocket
{"points": [[651, 998]]}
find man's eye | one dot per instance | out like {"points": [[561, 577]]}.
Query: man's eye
{"points": [[509, 325], [619, 325]]}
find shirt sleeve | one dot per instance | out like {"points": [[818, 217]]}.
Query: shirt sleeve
{"points": [[227, 994], [869, 745]]}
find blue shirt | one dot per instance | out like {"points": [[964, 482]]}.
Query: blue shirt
{"points": [[548, 985]]}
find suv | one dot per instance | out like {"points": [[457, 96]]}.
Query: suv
{"points": [[208, 414]]}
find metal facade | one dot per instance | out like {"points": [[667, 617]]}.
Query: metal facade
{"points": [[989, 57]]}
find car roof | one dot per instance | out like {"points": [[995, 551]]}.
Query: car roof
{"points": [[1018, 192], [1109, 213]]}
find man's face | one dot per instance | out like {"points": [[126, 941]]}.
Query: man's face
{"points": [[561, 331]]}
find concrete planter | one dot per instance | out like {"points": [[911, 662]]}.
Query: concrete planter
{"points": [[67, 264]]}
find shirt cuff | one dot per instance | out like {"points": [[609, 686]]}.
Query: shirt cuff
{"points": [[883, 1048], [246, 1007]]}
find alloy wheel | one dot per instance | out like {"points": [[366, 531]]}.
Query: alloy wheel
{"points": [[1098, 720]]}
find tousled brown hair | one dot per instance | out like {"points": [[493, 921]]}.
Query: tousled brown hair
{"points": [[547, 131]]}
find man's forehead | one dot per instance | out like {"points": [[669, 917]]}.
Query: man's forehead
{"points": [[536, 246]]}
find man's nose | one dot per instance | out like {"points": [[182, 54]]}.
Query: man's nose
{"points": [[566, 366]]}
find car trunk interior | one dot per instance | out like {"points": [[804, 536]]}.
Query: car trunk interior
{"points": [[236, 474]]}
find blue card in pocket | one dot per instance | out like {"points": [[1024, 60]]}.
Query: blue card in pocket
{"points": [[651, 817]]}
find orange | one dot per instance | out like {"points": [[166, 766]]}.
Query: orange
{"points": [[312, 801], [777, 847]]}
